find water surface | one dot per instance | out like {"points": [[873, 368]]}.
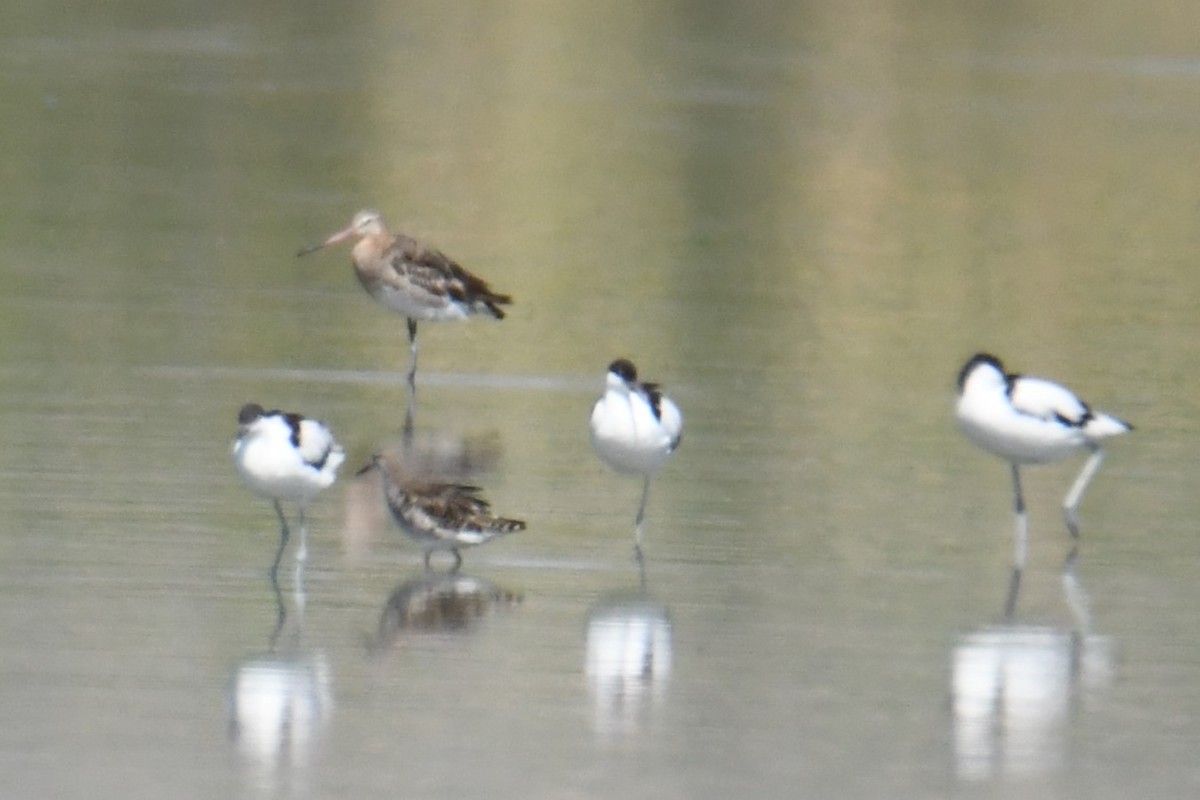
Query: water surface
{"points": [[800, 218]]}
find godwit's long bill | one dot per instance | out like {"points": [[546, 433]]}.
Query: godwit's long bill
{"points": [[416, 280], [435, 515], [285, 456], [1027, 420], [634, 429]]}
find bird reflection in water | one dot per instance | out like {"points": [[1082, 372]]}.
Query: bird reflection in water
{"points": [[1016, 688], [628, 660], [436, 602], [280, 700]]}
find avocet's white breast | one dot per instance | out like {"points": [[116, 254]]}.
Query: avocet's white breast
{"points": [[1026, 420], [280, 461], [626, 432]]}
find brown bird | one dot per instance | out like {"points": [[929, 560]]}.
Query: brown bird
{"points": [[438, 516], [416, 280]]}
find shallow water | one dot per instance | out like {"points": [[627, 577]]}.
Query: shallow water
{"points": [[800, 219]]}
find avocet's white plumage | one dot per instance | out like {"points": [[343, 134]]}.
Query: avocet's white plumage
{"points": [[634, 428], [1027, 420], [285, 456]]}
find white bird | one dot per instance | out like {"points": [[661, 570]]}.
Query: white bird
{"points": [[1027, 420], [634, 428], [285, 456]]}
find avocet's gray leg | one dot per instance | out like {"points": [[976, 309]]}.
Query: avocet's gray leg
{"points": [[641, 514], [302, 550], [284, 535], [1020, 544], [1073, 498]]}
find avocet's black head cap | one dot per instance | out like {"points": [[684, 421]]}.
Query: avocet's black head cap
{"points": [[249, 413], [625, 369], [974, 361]]}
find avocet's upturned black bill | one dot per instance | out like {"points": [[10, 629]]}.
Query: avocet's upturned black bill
{"points": [[1027, 420], [634, 428], [285, 456], [435, 515]]}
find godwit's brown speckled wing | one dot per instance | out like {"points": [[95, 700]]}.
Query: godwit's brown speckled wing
{"points": [[436, 273]]}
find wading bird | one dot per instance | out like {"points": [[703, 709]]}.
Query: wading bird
{"points": [[634, 429], [435, 515], [411, 278], [285, 456], [1027, 420]]}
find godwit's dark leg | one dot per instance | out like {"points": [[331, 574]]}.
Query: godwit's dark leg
{"points": [[1073, 498], [428, 567], [412, 351], [457, 560], [284, 534], [1020, 544], [410, 414]]}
